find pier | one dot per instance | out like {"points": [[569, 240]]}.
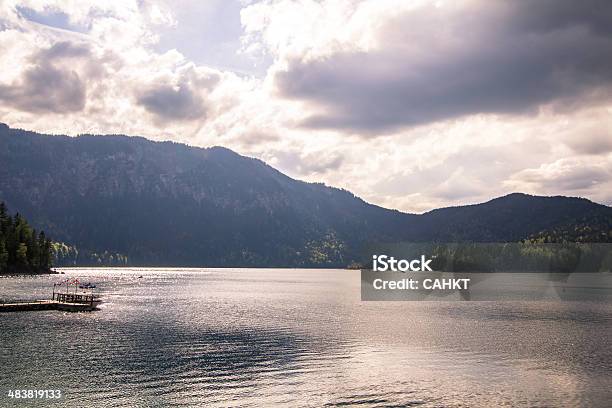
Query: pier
{"points": [[68, 302]]}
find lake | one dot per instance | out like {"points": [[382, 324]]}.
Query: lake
{"points": [[261, 337]]}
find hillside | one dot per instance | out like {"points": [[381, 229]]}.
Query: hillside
{"points": [[164, 203], [511, 218]]}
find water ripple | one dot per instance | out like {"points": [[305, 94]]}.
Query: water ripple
{"points": [[300, 338]]}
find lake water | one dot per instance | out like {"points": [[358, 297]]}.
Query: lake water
{"points": [[238, 337]]}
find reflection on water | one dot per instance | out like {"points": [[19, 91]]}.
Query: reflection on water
{"points": [[216, 337]]}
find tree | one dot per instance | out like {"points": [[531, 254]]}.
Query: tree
{"points": [[22, 249], [21, 256], [3, 255], [4, 218], [45, 251], [33, 250]]}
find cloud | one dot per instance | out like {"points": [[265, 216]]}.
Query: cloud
{"points": [[106, 72], [459, 186], [181, 96], [598, 141], [548, 15], [64, 49], [431, 63], [47, 86], [174, 103], [568, 174], [307, 164]]}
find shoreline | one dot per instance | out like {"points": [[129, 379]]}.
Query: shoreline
{"points": [[29, 272]]}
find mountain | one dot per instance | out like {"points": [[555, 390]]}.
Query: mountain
{"points": [[510, 218], [588, 229], [164, 203]]}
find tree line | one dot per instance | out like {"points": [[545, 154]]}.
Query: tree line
{"points": [[22, 248]]}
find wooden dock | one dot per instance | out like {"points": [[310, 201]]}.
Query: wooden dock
{"points": [[46, 305], [61, 301]]}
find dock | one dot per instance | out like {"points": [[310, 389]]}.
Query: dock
{"points": [[61, 301], [65, 298]]}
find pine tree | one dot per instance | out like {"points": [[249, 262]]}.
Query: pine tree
{"points": [[3, 255], [44, 248], [21, 256], [3, 217], [33, 250]]}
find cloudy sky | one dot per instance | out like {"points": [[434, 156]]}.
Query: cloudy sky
{"points": [[409, 104]]}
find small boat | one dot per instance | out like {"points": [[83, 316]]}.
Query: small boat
{"points": [[87, 285]]}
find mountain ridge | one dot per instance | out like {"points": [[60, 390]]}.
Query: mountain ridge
{"points": [[167, 203]]}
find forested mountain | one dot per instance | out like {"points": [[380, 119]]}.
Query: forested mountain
{"points": [[512, 218], [22, 248], [587, 229], [164, 203]]}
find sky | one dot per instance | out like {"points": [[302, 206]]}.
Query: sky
{"points": [[412, 105]]}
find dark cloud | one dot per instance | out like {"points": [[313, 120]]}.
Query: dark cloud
{"points": [[436, 64], [547, 15], [47, 87], [173, 103]]}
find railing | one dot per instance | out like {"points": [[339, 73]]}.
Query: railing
{"points": [[74, 298]]}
